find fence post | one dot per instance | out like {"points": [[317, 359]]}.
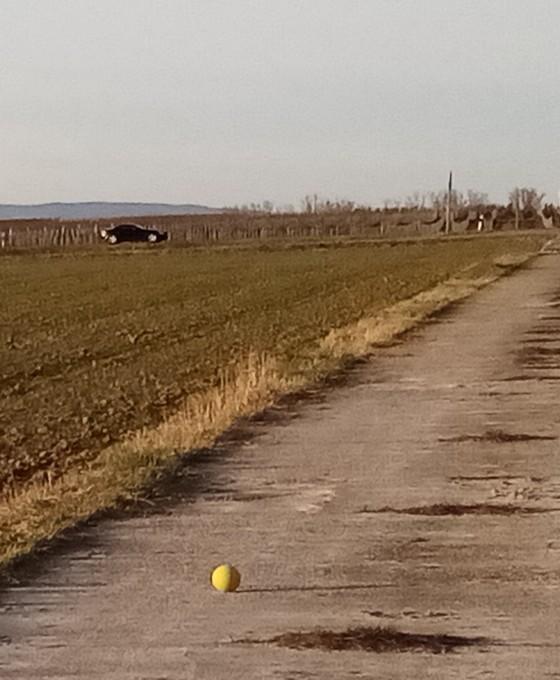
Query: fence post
{"points": [[448, 204]]}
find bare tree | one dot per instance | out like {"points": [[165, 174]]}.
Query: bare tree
{"points": [[476, 198], [415, 201], [308, 204], [315, 205], [438, 199], [523, 198]]}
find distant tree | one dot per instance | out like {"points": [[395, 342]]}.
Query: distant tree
{"points": [[523, 198], [438, 200], [476, 198], [309, 204], [315, 205], [415, 201]]}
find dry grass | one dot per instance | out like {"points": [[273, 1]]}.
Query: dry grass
{"points": [[358, 338], [44, 508], [48, 503]]}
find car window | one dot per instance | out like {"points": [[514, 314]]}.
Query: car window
{"points": [[128, 230]]}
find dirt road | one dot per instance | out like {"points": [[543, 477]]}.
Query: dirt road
{"points": [[423, 495]]}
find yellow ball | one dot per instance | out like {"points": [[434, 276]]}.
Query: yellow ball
{"points": [[226, 578]]}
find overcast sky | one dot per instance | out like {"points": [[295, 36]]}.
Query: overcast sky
{"points": [[231, 101]]}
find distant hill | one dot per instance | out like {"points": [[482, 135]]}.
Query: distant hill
{"points": [[95, 210]]}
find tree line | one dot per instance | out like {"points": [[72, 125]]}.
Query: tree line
{"points": [[520, 198]]}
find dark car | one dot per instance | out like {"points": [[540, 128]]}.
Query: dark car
{"points": [[132, 233]]}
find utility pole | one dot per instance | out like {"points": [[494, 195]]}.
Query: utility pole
{"points": [[448, 204]]}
